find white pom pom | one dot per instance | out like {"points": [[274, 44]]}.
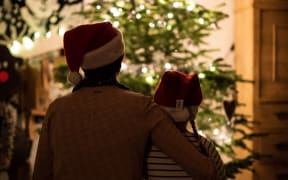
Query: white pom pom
{"points": [[74, 77]]}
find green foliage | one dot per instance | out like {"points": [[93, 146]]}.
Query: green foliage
{"points": [[136, 83], [60, 75], [152, 27]]}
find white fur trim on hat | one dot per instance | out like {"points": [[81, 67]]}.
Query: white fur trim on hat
{"points": [[74, 77], [105, 54], [182, 115]]}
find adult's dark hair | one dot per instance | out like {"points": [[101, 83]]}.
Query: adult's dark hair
{"points": [[106, 71], [103, 76]]}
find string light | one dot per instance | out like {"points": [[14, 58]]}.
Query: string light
{"points": [[201, 75], [116, 24], [149, 79], [167, 66], [191, 5], [61, 31], [138, 16], [201, 21], [152, 25], [212, 68], [120, 3], [36, 35], [170, 15], [115, 11], [98, 7], [28, 43], [16, 47], [142, 7], [48, 34], [161, 23], [215, 132], [144, 70], [177, 4], [123, 66], [201, 133]]}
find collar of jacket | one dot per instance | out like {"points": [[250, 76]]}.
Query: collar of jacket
{"points": [[94, 82]]}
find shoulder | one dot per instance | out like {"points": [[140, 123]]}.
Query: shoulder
{"points": [[56, 103]]}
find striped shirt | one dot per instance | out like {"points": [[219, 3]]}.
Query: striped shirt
{"points": [[159, 166]]}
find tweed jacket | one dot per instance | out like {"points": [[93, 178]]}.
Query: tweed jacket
{"points": [[100, 133]]}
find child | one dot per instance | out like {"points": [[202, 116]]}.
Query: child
{"points": [[180, 95]]}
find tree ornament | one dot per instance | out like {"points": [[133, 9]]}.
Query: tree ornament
{"points": [[4, 76], [229, 107]]}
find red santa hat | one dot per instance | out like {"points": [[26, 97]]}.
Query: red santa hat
{"points": [[91, 46], [178, 90]]}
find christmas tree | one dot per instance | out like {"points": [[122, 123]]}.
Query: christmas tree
{"points": [[159, 35], [170, 35]]}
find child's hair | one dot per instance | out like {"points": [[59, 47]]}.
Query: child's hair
{"points": [[193, 124], [196, 134]]}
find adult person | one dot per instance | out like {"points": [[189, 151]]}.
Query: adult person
{"points": [[101, 129], [180, 95]]}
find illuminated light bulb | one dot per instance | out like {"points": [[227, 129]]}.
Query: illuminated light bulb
{"points": [[152, 25], [170, 15], [177, 4], [161, 23], [48, 34], [16, 47], [98, 7], [138, 16], [142, 7], [144, 70], [61, 31], [148, 11], [215, 132], [169, 27], [115, 12], [37, 35], [116, 23], [201, 75], [120, 3], [201, 133], [27, 42], [201, 21], [123, 67], [167, 66], [191, 5], [149, 79], [228, 140], [212, 68]]}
